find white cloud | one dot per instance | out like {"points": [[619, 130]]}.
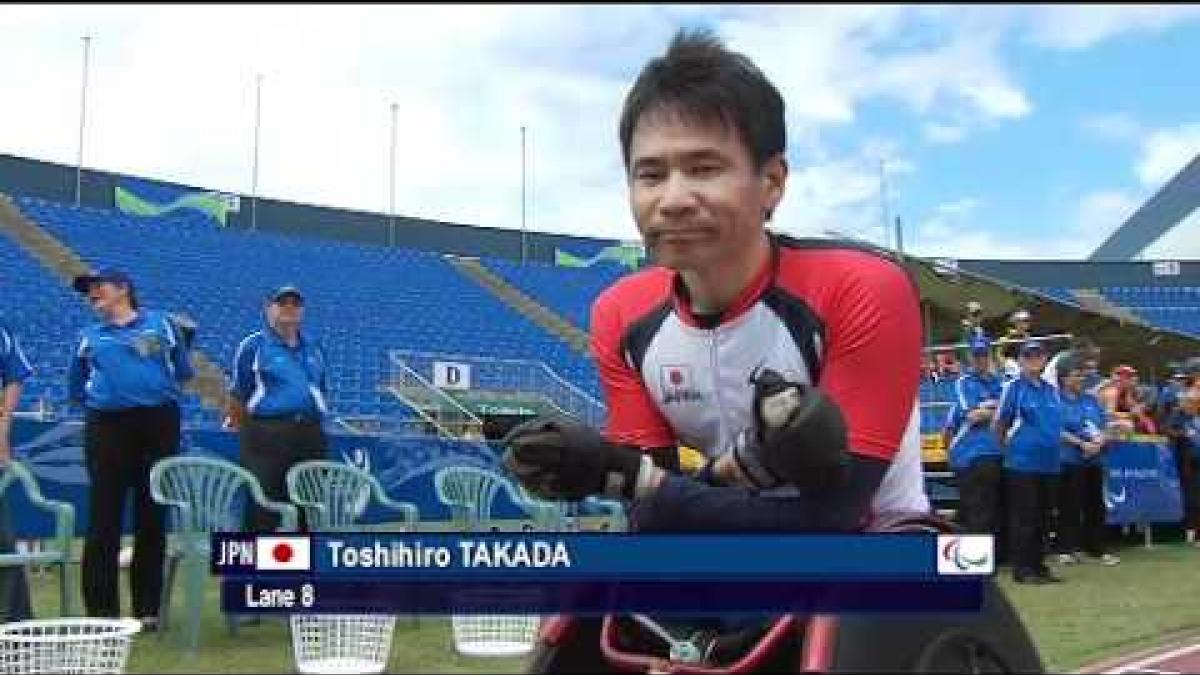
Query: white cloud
{"points": [[954, 230], [1100, 214], [178, 104], [842, 194], [1077, 27], [943, 134], [1165, 152]]}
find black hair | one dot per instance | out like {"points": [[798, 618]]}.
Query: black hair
{"points": [[702, 81], [1072, 360]]}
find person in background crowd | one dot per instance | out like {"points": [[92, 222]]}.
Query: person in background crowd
{"points": [[128, 373], [1117, 395], [1081, 511], [975, 455], [1028, 426], [1183, 428], [278, 400], [972, 329], [14, 370], [1168, 395]]}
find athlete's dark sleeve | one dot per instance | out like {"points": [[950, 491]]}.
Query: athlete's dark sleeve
{"points": [[681, 504]]}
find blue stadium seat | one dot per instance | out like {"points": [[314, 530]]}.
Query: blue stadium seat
{"points": [[362, 300]]}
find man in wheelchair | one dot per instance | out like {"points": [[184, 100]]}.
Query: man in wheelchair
{"points": [[792, 365]]}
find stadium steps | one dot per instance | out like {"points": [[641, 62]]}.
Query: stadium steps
{"points": [[1092, 300], [522, 303], [66, 264]]}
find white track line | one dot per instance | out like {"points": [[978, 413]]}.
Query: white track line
{"points": [[1139, 665]]}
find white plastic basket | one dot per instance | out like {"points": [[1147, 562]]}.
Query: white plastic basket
{"points": [[483, 634], [67, 645], [338, 644]]}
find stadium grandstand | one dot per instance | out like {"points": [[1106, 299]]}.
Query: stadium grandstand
{"points": [[459, 291]]}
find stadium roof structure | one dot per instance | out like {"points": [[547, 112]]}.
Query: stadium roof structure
{"points": [[1170, 205], [945, 291]]}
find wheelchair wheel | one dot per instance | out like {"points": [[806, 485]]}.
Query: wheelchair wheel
{"points": [[959, 651]]}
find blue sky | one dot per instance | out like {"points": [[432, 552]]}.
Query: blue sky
{"points": [[1005, 131]]}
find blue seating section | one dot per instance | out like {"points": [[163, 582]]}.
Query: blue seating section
{"points": [[568, 291], [362, 301], [1173, 307], [46, 316], [1059, 293]]}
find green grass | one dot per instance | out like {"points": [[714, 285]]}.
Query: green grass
{"points": [[1104, 612], [1097, 614]]}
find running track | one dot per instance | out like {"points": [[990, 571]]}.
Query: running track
{"points": [[1174, 659]]}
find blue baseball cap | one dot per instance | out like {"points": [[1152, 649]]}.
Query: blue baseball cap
{"points": [[83, 282], [285, 291], [981, 346], [1031, 347]]}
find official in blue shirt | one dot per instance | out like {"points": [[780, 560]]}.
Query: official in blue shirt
{"points": [[975, 455], [127, 373], [1028, 426], [14, 370], [278, 399], [1183, 428], [1081, 513]]}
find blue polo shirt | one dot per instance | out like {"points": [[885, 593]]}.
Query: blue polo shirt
{"points": [[14, 366], [972, 441], [1032, 409], [140, 364], [1188, 427], [278, 381], [1083, 416]]}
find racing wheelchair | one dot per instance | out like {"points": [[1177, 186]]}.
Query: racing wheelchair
{"points": [[992, 641]]}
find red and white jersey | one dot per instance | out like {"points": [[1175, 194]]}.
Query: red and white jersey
{"points": [[845, 319]]}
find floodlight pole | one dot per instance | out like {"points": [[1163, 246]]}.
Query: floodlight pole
{"points": [[392, 180], [254, 171], [87, 48], [523, 232]]}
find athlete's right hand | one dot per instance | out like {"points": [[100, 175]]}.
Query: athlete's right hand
{"points": [[559, 459], [800, 437]]}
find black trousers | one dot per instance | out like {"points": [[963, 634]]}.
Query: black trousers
{"points": [[1030, 497], [980, 488], [1081, 512], [1189, 479], [14, 586], [120, 448], [269, 447]]}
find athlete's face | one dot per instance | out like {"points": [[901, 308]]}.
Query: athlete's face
{"points": [[694, 191]]}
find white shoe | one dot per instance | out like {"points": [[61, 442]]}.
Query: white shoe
{"points": [[1068, 559], [1109, 560]]}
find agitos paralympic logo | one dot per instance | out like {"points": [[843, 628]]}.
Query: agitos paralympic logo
{"points": [[966, 554]]}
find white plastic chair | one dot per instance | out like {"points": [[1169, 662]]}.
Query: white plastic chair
{"points": [[337, 644], [67, 645]]}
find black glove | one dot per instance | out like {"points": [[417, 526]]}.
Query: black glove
{"points": [[558, 459], [799, 436]]}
